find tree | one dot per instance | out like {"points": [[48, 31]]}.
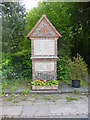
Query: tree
{"points": [[80, 19], [59, 17], [71, 20], [13, 26]]}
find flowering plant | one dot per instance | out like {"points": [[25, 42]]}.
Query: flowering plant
{"points": [[42, 82]]}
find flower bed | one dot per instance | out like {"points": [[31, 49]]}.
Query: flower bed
{"points": [[45, 85]]}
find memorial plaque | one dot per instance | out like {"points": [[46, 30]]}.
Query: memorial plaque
{"points": [[44, 66], [44, 47]]}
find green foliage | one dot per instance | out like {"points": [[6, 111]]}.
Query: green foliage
{"points": [[45, 83], [84, 82], [16, 63], [13, 24], [9, 84], [9, 98], [22, 64], [7, 68], [13, 96], [57, 13], [25, 91], [69, 99], [79, 17], [78, 68], [72, 69], [63, 70], [15, 101], [24, 99], [12, 89], [47, 98], [38, 83], [70, 19], [17, 66]]}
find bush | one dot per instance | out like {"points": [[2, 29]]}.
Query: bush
{"points": [[22, 64], [78, 68], [63, 72], [7, 68], [17, 66]]}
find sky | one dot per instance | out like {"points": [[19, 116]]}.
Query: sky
{"points": [[30, 3]]}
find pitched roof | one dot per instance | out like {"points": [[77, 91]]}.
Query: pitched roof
{"points": [[37, 24]]}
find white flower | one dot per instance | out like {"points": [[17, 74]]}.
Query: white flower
{"points": [[6, 95]]}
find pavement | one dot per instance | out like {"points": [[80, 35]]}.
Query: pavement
{"points": [[52, 104], [44, 105], [64, 88]]}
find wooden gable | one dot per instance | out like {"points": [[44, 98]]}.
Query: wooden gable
{"points": [[43, 29]]}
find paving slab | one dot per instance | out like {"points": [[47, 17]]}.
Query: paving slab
{"points": [[0, 99], [24, 103], [62, 109], [0, 103], [29, 111], [11, 111], [0, 111], [43, 110], [81, 89], [7, 103], [36, 110], [81, 108], [64, 88]]}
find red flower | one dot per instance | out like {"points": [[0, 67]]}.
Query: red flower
{"points": [[42, 80]]}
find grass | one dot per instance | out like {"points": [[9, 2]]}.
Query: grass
{"points": [[2, 94], [73, 92], [24, 98], [46, 97], [69, 99], [84, 83], [33, 95], [14, 96], [12, 89], [15, 101], [25, 91], [76, 92], [9, 98], [21, 83], [12, 85], [54, 100]]}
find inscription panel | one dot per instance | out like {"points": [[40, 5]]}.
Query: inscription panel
{"points": [[44, 47], [44, 66]]}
